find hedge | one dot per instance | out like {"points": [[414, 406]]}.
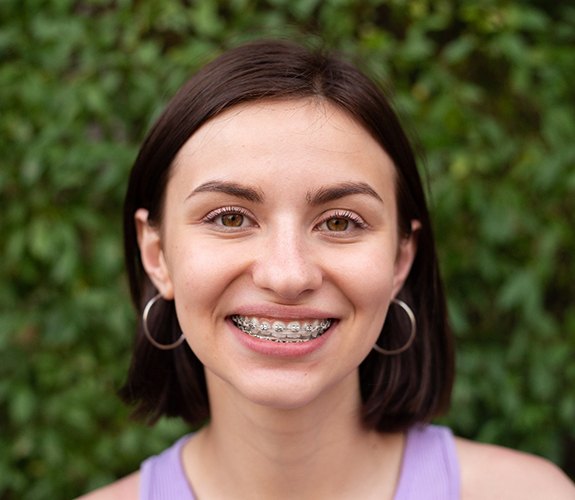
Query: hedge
{"points": [[485, 89]]}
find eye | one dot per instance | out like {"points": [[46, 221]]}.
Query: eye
{"points": [[337, 224], [341, 222], [232, 220], [229, 218]]}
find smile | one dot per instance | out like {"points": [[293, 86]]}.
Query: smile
{"points": [[279, 331]]}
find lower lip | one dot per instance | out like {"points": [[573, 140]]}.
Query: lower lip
{"points": [[281, 349]]}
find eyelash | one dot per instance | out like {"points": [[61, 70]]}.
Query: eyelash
{"points": [[347, 215], [211, 217], [355, 219]]}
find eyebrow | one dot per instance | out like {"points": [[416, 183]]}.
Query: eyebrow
{"points": [[319, 197], [231, 188], [331, 193]]}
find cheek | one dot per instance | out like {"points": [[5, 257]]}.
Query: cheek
{"points": [[369, 271], [366, 279], [373, 294], [201, 274]]}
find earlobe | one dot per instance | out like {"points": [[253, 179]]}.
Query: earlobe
{"points": [[405, 256], [152, 254]]}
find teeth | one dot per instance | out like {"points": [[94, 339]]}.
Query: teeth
{"points": [[294, 327], [278, 331]]}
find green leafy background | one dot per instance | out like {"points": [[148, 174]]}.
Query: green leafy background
{"points": [[486, 91]]}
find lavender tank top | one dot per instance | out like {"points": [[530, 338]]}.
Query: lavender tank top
{"points": [[429, 469]]}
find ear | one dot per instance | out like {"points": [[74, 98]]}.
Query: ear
{"points": [[152, 254], [405, 256]]}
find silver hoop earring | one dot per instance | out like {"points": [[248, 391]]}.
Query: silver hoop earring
{"points": [[407, 345], [155, 343]]}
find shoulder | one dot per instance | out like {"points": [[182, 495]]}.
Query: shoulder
{"points": [[124, 489], [489, 471]]}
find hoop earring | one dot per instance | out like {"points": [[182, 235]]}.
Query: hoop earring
{"points": [[155, 343], [407, 345]]}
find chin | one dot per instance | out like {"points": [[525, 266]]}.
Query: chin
{"points": [[283, 392], [294, 391], [286, 401]]}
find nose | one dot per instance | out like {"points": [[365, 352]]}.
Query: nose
{"points": [[285, 264]]}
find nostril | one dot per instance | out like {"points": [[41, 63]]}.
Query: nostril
{"points": [[287, 282], [287, 269]]}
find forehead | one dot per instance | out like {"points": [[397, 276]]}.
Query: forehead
{"points": [[287, 138]]}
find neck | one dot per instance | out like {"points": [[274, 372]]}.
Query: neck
{"points": [[319, 450]]}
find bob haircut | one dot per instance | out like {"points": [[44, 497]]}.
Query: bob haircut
{"points": [[397, 391]]}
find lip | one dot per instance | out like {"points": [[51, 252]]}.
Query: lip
{"points": [[281, 349], [280, 312]]}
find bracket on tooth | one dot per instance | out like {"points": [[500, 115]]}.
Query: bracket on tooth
{"points": [[279, 332]]}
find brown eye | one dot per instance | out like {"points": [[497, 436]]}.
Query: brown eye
{"points": [[232, 220], [337, 224]]}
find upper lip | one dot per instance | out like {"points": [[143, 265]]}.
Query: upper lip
{"points": [[274, 311]]}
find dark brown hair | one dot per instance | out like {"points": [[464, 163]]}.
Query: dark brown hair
{"points": [[397, 391]]}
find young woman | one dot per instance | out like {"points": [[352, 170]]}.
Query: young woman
{"points": [[281, 257]]}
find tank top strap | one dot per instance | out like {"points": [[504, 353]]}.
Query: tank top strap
{"points": [[162, 476], [430, 468]]}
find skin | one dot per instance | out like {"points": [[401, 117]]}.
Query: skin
{"points": [[287, 210]]}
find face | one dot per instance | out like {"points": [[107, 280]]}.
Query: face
{"points": [[279, 243]]}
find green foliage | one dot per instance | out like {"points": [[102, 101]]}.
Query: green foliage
{"points": [[487, 87]]}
